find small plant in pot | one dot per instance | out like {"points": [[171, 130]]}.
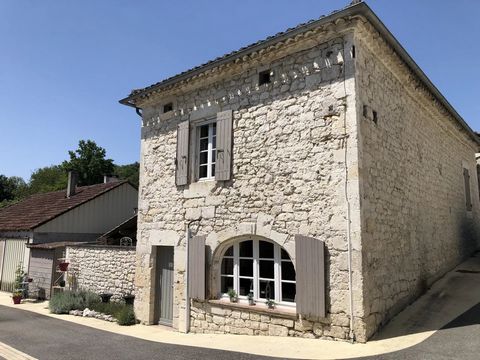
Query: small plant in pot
{"points": [[17, 296], [61, 283], [232, 294], [251, 301], [270, 303], [63, 264]]}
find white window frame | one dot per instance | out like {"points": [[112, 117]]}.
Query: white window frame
{"points": [[277, 249], [210, 160]]}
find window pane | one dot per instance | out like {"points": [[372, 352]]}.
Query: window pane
{"points": [[267, 269], [288, 271], [214, 154], [227, 266], [203, 172], [246, 267], [204, 131], [267, 289], [288, 292], [285, 255], [214, 142], [265, 249], [246, 248], [203, 158], [229, 251], [203, 144], [227, 283], [245, 286], [213, 170], [214, 125]]}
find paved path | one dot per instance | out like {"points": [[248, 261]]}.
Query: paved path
{"points": [[46, 338], [459, 339]]}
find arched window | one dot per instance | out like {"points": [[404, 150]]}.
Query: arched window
{"points": [[261, 268]]}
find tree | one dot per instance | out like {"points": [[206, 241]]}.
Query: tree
{"points": [[11, 188], [128, 172], [90, 163], [46, 179]]}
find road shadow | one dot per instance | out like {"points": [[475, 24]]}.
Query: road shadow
{"points": [[459, 339]]}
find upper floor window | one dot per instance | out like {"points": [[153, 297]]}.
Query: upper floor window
{"points": [[261, 268], [207, 146]]}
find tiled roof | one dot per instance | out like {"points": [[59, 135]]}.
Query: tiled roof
{"points": [[353, 9], [40, 208], [303, 27]]}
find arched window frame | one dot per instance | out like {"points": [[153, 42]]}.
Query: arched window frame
{"points": [[277, 281]]}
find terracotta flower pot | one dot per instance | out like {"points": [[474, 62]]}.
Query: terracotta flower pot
{"points": [[17, 299], [63, 266]]}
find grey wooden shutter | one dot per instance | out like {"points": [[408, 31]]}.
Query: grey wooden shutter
{"points": [[468, 196], [223, 165], [310, 276], [181, 161], [196, 267]]}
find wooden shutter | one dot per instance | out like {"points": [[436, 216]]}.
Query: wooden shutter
{"points": [[181, 162], [310, 275], [223, 165], [468, 196], [196, 267]]}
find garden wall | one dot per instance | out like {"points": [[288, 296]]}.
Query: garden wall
{"points": [[103, 269]]}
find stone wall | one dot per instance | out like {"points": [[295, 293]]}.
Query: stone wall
{"points": [[216, 317], [103, 269], [291, 139], [415, 225]]}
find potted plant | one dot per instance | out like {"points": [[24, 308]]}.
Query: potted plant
{"points": [[270, 303], [63, 264], [251, 301], [17, 296], [61, 283], [232, 294]]}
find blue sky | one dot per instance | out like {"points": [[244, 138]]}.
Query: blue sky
{"points": [[64, 64]]}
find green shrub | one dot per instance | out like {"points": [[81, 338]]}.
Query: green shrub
{"points": [[126, 316], [63, 302], [111, 308]]}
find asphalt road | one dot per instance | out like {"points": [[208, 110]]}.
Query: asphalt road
{"points": [[46, 338], [459, 339]]}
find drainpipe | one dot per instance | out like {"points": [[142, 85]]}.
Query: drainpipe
{"points": [[349, 239], [187, 288]]}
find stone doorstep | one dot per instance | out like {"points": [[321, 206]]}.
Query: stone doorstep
{"points": [[254, 309]]}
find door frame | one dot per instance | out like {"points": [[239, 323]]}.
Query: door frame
{"points": [[157, 287]]}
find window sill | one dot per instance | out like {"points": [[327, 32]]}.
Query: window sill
{"points": [[284, 313]]}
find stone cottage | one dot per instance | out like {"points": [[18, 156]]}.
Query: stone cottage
{"points": [[318, 169]]}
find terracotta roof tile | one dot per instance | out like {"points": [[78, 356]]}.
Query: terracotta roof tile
{"points": [[40, 208]]}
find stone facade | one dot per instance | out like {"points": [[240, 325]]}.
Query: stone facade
{"points": [[338, 147], [217, 317], [103, 269], [415, 225]]}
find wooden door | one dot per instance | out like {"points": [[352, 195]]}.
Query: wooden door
{"points": [[164, 285]]}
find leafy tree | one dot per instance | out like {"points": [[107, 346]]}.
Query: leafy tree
{"points": [[11, 188], [90, 163], [46, 179], [128, 172]]}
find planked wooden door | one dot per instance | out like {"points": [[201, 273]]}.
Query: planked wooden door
{"points": [[164, 285]]}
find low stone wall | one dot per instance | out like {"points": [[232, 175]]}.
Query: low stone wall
{"points": [[215, 317], [103, 269]]}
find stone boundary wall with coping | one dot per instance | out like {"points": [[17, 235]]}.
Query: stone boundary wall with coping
{"points": [[103, 269]]}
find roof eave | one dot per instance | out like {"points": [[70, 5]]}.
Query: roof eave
{"points": [[357, 9]]}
